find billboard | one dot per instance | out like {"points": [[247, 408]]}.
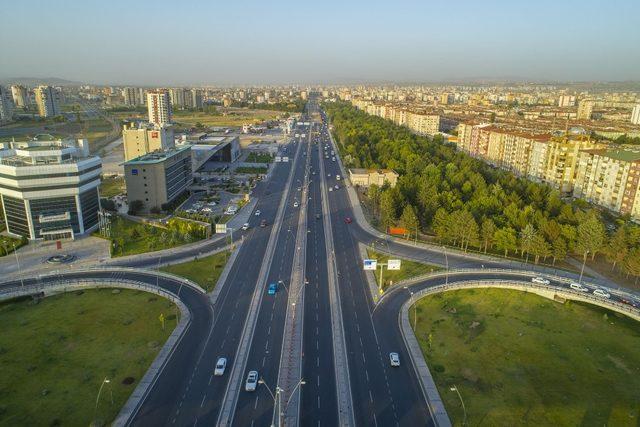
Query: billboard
{"points": [[370, 264], [397, 231], [221, 228], [393, 264]]}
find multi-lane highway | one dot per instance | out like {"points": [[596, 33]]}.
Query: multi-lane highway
{"points": [[246, 324]]}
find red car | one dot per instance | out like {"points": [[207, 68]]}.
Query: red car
{"points": [[347, 220]]}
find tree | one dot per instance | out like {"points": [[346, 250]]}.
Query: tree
{"points": [[559, 249], [632, 263], [617, 249], [540, 248], [488, 230], [505, 240], [388, 215], [373, 193], [527, 237], [409, 220], [441, 225], [591, 236]]}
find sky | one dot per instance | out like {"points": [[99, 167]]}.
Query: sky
{"points": [[190, 42]]}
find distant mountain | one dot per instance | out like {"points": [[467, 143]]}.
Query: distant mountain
{"points": [[35, 81]]}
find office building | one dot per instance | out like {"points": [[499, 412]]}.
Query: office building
{"points": [[20, 96], [635, 115], [585, 109], [6, 105], [49, 189], [159, 107], [157, 179], [48, 101], [142, 138]]}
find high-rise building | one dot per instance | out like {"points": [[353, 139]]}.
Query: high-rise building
{"points": [[142, 138], [158, 178], [48, 101], [193, 99], [566, 101], [635, 115], [585, 109], [6, 105], [49, 188], [177, 96], [20, 96], [159, 107], [132, 96]]}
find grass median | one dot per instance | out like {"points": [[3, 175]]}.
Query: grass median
{"points": [[55, 354], [521, 359], [408, 269], [203, 271]]}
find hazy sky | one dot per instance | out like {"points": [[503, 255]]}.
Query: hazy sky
{"points": [[243, 41]]}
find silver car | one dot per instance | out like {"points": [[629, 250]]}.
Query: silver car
{"points": [[394, 358], [221, 364], [252, 381]]}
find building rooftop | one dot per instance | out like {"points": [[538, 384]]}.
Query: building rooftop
{"points": [[157, 156], [623, 154]]}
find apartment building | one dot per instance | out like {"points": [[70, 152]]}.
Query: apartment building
{"points": [[6, 105], [142, 138], [20, 96], [49, 189], [159, 107], [635, 115], [610, 178], [48, 101], [177, 96], [158, 178], [423, 123], [585, 109], [193, 99], [133, 96], [566, 101]]}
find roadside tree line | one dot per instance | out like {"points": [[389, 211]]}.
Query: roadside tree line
{"points": [[470, 204]]}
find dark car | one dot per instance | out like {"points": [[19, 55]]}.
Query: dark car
{"points": [[263, 223], [347, 220]]}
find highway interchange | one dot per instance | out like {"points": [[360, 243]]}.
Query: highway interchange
{"points": [[246, 324]]}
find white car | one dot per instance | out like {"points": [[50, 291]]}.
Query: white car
{"points": [[296, 204], [257, 213], [336, 186], [252, 381], [245, 226], [540, 281], [330, 188], [394, 358], [221, 364], [602, 293], [578, 287], [329, 175]]}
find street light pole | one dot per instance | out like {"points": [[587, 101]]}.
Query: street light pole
{"points": [[104, 381], [464, 409], [446, 260], [584, 261], [15, 252]]}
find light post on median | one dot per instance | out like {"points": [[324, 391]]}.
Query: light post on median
{"points": [[446, 260], [584, 260], [15, 252], [464, 409], [104, 381]]}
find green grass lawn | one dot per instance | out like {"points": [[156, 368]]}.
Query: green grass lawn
{"points": [[54, 355], [407, 270], [251, 169], [259, 158], [112, 186], [520, 359], [204, 271], [233, 117]]}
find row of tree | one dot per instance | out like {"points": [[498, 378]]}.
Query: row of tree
{"points": [[470, 204]]}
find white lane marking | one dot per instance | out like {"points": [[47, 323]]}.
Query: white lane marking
{"points": [[256, 404], [203, 398]]}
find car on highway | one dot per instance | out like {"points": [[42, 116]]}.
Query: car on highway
{"points": [[317, 216], [245, 226], [263, 223], [296, 204], [258, 213], [336, 186], [337, 177], [394, 358], [348, 220], [273, 288], [629, 302], [578, 287], [601, 293], [330, 188], [252, 381], [540, 281], [221, 364]]}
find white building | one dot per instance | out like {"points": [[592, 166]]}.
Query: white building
{"points": [[159, 107], [49, 189], [132, 96], [6, 105], [20, 96], [48, 101], [635, 115]]}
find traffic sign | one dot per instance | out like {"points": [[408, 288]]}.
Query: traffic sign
{"points": [[370, 264], [393, 264]]}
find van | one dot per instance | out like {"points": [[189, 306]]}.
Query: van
{"points": [[578, 287], [601, 293]]}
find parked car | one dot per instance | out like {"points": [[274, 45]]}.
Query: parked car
{"points": [[221, 364], [540, 281], [252, 381], [394, 358], [579, 287], [601, 293]]}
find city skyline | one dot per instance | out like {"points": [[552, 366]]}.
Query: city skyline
{"points": [[290, 43]]}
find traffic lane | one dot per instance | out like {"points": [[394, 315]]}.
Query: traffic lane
{"points": [[374, 400], [319, 404], [264, 354]]}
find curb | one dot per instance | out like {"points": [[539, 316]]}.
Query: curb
{"points": [[371, 280], [213, 295]]}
